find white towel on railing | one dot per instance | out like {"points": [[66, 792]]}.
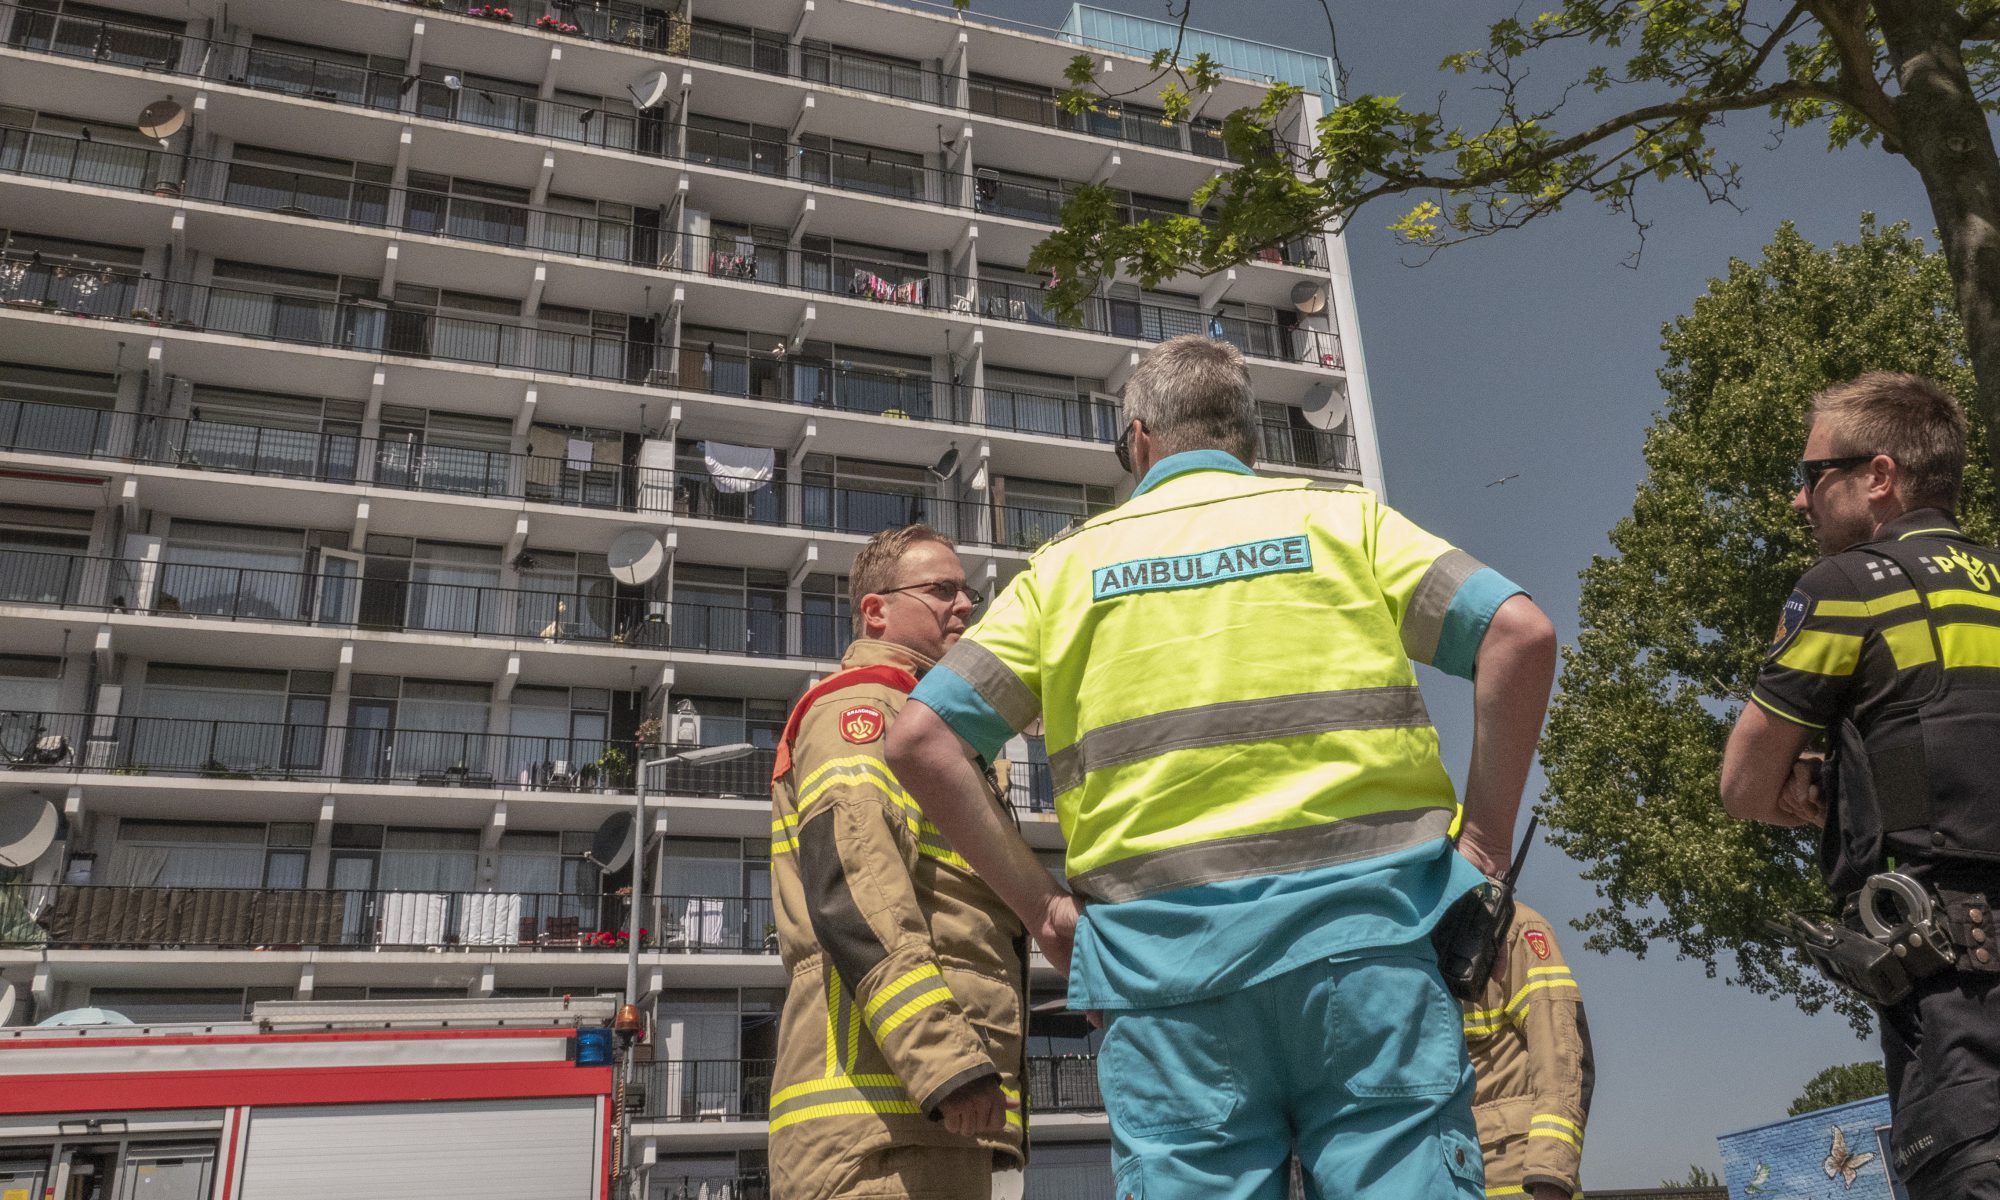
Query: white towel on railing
{"points": [[413, 918], [738, 469], [490, 919], [703, 923]]}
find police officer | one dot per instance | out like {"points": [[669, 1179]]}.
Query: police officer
{"points": [[1531, 1055], [1253, 801], [901, 1048], [1890, 648]]}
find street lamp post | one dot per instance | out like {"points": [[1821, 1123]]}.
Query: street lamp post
{"points": [[631, 1019]]}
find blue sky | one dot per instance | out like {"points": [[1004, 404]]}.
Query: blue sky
{"points": [[1535, 353]]}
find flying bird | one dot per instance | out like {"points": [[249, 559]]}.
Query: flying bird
{"points": [[1503, 479]]}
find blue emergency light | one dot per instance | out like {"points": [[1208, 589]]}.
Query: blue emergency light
{"points": [[593, 1048]]}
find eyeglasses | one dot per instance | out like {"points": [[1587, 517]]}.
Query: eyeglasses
{"points": [[1809, 472], [946, 590], [1124, 446]]}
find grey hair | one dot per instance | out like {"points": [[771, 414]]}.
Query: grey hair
{"points": [[1193, 393]]}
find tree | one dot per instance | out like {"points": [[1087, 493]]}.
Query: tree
{"points": [[1914, 78], [1698, 1176], [1675, 620], [1842, 1084]]}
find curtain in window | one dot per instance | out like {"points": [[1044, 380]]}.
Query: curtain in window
{"points": [[429, 860], [187, 728]]}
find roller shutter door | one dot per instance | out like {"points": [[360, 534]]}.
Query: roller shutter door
{"points": [[541, 1149]]}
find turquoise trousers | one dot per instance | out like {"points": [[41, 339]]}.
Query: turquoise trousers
{"points": [[1356, 1065]]}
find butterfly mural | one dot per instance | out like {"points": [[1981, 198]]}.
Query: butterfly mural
{"points": [[1841, 1163], [1758, 1179]]}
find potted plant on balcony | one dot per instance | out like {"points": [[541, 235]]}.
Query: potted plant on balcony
{"points": [[555, 24], [492, 12], [614, 770], [680, 35]]}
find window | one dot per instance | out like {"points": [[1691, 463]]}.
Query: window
{"points": [[216, 720], [323, 72], [184, 1005], [209, 854], [858, 167], [242, 571], [429, 860], [879, 73], [1034, 510], [48, 411], [29, 684]]}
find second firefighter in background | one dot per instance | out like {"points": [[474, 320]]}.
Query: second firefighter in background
{"points": [[1533, 1067], [900, 1052]]}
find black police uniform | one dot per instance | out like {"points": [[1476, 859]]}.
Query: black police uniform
{"points": [[1893, 648]]}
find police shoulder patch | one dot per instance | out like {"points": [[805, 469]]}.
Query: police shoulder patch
{"points": [[862, 724], [1791, 619]]}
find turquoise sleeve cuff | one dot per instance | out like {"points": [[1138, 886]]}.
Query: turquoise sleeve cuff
{"points": [[1465, 622], [946, 693]]}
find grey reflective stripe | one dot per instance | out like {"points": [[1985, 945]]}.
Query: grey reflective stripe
{"points": [[990, 677], [1423, 624], [838, 1089], [1234, 721], [1268, 853]]}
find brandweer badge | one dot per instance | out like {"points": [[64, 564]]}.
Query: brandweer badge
{"points": [[1267, 557], [861, 724], [1538, 942]]}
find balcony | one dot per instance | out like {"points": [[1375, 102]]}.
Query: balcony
{"points": [[339, 458], [862, 511], [266, 751], [1031, 789], [1303, 446], [110, 917], [740, 1089], [589, 611]]}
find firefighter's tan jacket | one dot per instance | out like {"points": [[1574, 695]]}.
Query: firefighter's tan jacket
{"points": [[1531, 1054], [907, 972]]}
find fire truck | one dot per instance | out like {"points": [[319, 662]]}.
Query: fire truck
{"points": [[347, 1100]]}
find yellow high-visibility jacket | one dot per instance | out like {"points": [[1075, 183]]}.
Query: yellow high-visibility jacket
{"points": [[907, 972], [1531, 1054]]}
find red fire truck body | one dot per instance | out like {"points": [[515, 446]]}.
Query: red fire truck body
{"points": [[366, 1109]]}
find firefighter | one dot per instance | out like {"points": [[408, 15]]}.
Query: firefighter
{"points": [[901, 1048], [1253, 800], [1889, 650], [1532, 1061]]}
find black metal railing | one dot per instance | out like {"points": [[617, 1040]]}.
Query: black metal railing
{"points": [[1064, 1083], [171, 916], [258, 751], [1030, 788], [846, 508], [759, 632], [725, 1186], [712, 1089], [1295, 446]]}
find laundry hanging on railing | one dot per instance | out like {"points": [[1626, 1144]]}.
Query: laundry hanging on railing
{"points": [[870, 286], [739, 469]]}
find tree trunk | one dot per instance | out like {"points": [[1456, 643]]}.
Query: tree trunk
{"points": [[1943, 133]]}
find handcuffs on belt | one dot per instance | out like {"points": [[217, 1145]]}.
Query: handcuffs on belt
{"points": [[1882, 961]]}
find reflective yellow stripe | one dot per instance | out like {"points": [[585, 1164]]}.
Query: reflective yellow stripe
{"points": [[1775, 711], [784, 847], [1970, 645], [943, 855], [1946, 597], [1563, 1121], [853, 1035], [888, 991], [1507, 1191], [1014, 1118], [1822, 653], [1910, 644], [1534, 971], [1520, 997], [843, 1108], [831, 1082], [936, 995], [1866, 608], [854, 770], [1559, 1134], [832, 1021], [1483, 1028], [1920, 532]]}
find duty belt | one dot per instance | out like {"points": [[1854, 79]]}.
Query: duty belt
{"points": [[1907, 933]]}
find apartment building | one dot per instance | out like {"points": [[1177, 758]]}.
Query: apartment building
{"points": [[341, 339]]}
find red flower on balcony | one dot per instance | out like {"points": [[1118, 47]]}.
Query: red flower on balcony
{"points": [[492, 12], [553, 24]]}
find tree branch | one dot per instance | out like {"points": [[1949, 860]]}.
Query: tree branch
{"points": [[1861, 90]]}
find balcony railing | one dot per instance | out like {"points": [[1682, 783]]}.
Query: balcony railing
{"points": [[845, 508], [168, 917], [725, 1186], [740, 1089], [1294, 446], [1030, 788], [258, 751], [587, 611]]}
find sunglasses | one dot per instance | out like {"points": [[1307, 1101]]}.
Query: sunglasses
{"points": [[945, 590], [1809, 472], [1124, 446]]}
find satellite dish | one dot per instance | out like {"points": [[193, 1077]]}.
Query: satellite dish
{"points": [[162, 119], [635, 556], [649, 89], [1309, 297], [27, 829], [83, 1016], [1325, 406], [947, 465], [612, 845], [453, 83]]}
